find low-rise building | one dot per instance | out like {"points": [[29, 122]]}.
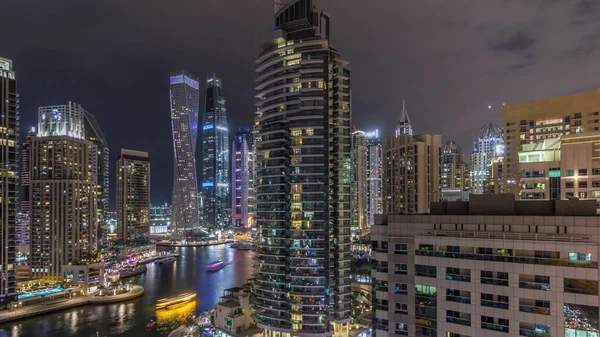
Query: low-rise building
{"points": [[492, 266], [232, 315]]}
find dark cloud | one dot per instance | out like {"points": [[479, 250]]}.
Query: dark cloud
{"points": [[517, 43], [448, 59]]}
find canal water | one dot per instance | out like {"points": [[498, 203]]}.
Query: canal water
{"points": [[129, 318]]}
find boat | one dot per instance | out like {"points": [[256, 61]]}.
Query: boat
{"points": [[150, 325], [133, 272], [175, 301], [215, 265], [245, 246], [166, 260]]}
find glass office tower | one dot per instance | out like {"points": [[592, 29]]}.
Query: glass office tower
{"points": [[185, 100]]}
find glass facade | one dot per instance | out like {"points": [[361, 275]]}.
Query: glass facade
{"points": [[9, 176], [242, 183], [185, 100], [215, 156]]}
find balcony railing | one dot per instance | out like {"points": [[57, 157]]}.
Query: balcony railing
{"points": [[532, 333], [494, 327], [461, 321], [494, 281], [534, 285], [459, 299], [456, 277], [534, 309], [494, 304]]}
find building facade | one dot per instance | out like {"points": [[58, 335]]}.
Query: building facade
{"points": [[360, 182], [488, 143], [375, 175], [185, 103], [534, 121], [492, 266], [94, 134], [160, 219], [242, 184], [411, 169], [215, 156], [133, 197], [9, 178], [304, 173], [24, 219], [63, 193], [452, 166]]}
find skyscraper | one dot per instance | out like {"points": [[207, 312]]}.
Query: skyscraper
{"points": [[215, 156], [133, 197], [411, 169], [452, 173], [9, 176], [94, 134], [304, 176], [185, 101], [360, 185], [63, 192], [488, 143], [242, 185], [24, 220], [375, 180]]}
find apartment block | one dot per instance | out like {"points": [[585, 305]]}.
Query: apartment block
{"points": [[534, 121], [491, 266]]}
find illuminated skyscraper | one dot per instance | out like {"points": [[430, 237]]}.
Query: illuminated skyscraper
{"points": [[24, 219], [9, 176], [94, 134], [304, 176], [215, 156], [63, 192], [360, 186], [242, 196], [375, 169], [411, 169], [133, 197], [185, 101], [487, 144]]}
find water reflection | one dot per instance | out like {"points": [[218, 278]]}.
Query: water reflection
{"points": [[187, 274], [170, 319]]}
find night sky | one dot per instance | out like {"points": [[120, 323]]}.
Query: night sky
{"points": [[448, 59]]}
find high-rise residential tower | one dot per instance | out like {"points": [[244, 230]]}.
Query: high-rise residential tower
{"points": [[452, 166], [215, 156], [24, 219], [185, 103], [242, 185], [94, 134], [360, 184], [63, 192], [133, 197], [375, 180], [9, 177], [304, 175], [487, 144], [411, 169]]}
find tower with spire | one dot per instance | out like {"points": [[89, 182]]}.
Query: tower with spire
{"points": [[411, 168], [403, 127]]}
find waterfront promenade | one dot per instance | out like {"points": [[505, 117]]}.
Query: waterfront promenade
{"points": [[64, 303]]}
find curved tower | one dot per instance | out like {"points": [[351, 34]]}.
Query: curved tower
{"points": [[485, 147], [185, 100], [304, 175]]}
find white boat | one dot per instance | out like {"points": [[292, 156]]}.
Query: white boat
{"points": [[166, 260]]}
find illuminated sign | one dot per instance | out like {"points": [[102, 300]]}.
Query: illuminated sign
{"points": [[373, 134], [207, 184], [208, 127]]}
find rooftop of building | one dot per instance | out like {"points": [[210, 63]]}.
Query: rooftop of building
{"points": [[505, 204], [451, 147], [558, 106], [229, 304], [489, 130]]}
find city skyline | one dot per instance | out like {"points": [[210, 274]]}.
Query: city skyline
{"points": [[497, 50]]}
